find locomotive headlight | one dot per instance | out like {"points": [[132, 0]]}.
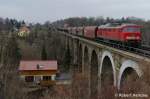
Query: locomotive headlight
{"points": [[132, 37], [138, 37]]}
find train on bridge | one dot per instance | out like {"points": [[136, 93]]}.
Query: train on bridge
{"points": [[126, 34]]}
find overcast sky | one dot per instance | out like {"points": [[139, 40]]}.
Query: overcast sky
{"points": [[43, 10]]}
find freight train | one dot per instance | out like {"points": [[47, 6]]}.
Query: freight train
{"points": [[127, 34]]}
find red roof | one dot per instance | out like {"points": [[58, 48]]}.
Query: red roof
{"points": [[38, 65]]}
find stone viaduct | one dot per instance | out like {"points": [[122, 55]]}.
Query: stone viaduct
{"points": [[103, 63]]}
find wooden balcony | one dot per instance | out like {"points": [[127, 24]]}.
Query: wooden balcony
{"points": [[47, 83]]}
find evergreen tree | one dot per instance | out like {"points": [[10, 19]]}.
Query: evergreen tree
{"points": [[43, 54], [67, 59]]}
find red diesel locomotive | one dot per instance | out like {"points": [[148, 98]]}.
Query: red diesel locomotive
{"points": [[126, 33]]}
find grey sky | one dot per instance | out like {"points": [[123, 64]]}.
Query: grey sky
{"points": [[43, 10]]}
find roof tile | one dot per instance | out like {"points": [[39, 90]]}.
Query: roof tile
{"points": [[38, 65]]}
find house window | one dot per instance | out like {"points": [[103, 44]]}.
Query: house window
{"points": [[46, 77], [29, 78]]}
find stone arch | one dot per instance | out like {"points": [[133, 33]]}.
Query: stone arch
{"points": [[107, 69], [71, 47], [86, 60], [75, 53], [67, 56], [94, 75], [128, 66], [80, 58]]}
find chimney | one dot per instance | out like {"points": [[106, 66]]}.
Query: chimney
{"points": [[39, 66]]}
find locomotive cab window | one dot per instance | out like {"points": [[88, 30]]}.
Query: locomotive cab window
{"points": [[131, 29]]}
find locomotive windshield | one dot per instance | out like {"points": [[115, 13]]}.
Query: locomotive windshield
{"points": [[131, 29]]}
